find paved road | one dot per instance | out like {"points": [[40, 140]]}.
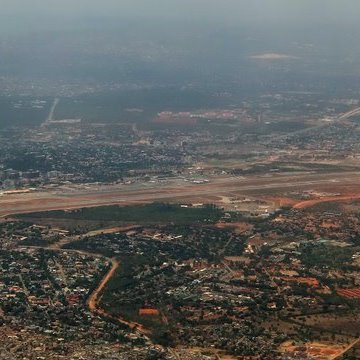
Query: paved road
{"points": [[319, 126], [52, 111], [350, 114]]}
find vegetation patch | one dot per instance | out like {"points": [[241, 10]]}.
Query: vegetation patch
{"points": [[156, 213]]}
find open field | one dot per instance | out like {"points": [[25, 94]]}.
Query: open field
{"points": [[155, 213], [345, 324], [238, 227], [267, 187]]}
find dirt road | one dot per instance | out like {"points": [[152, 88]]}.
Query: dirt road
{"points": [[348, 348], [94, 297], [69, 239], [93, 302]]}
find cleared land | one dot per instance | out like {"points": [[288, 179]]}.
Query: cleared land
{"points": [[317, 350], [310, 203]]}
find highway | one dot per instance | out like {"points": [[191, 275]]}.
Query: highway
{"points": [[319, 126], [350, 114]]}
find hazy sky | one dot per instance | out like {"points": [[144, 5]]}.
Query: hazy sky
{"points": [[256, 11], [87, 33]]}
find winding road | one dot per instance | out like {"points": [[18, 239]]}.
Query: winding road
{"points": [[94, 299]]}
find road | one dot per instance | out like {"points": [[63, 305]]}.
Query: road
{"points": [[350, 114], [70, 239], [93, 300], [52, 111], [172, 190], [348, 348], [321, 125]]}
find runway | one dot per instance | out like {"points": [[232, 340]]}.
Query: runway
{"points": [[175, 190]]}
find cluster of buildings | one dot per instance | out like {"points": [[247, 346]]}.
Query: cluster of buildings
{"points": [[221, 298], [320, 145], [258, 133], [186, 117], [23, 233], [199, 286], [226, 291], [45, 292], [82, 154]]}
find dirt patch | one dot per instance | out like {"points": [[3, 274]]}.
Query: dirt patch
{"points": [[283, 201], [323, 351], [237, 259], [238, 227], [310, 203]]}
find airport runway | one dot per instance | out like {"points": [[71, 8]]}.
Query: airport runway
{"points": [[172, 190]]}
